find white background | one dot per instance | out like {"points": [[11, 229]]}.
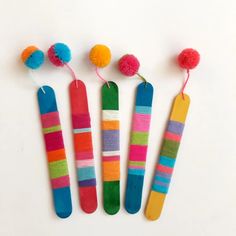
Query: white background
{"points": [[202, 197]]}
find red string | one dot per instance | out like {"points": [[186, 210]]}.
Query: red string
{"points": [[73, 74], [185, 83], [100, 77]]}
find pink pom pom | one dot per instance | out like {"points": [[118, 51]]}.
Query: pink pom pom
{"points": [[188, 58], [128, 65]]}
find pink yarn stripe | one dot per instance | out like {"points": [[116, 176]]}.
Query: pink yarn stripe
{"points": [[81, 121], [84, 155], [137, 153], [54, 141], [111, 158], [50, 119], [164, 169], [172, 136], [60, 182], [141, 122], [136, 167], [84, 163]]}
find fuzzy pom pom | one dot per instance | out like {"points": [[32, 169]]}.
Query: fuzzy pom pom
{"points": [[128, 65], [32, 57], [100, 55], [59, 54], [188, 58]]}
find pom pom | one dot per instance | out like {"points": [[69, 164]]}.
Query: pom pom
{"points": [[59, 54], [128, 65], [100, 55], [188, 58], [32, 57]]}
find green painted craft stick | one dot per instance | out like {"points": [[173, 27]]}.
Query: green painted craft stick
{"points": [[110, 148]]}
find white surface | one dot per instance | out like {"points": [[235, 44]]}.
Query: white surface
{"points": [[202, 197]]}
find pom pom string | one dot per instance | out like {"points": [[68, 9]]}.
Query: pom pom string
{"points": [[59, 54], [129, 66], [33, 58], [185, 83], [35, 81], [140, 76], [73, 74], [100, 77], [188, 59]]}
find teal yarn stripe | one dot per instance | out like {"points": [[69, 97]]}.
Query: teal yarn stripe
{"points": [[83, 130], [85, 173], [167, 161], [143, 109]]}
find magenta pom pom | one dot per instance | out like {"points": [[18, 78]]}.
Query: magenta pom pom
{"points": [[129, 65], [59, 54], [53, 58], [188, 58]]}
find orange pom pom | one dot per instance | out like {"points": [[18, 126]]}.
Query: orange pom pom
{"points": [[100, 55]]}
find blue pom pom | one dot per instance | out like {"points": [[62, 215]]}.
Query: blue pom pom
{"points": [[35, 60], [63, 52]]}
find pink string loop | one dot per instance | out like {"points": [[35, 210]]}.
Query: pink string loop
{"points": [[100, 77], [185, 83], [73, 74]]}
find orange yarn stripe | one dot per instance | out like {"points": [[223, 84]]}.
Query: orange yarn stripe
{"points": [[110, 125], [56, 155], [111, 170], [83, 142]]}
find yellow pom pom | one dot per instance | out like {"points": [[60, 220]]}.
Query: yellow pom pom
{"points": [[100, 55]]}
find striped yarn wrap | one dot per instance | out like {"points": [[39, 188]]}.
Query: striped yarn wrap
{"points": [[169, 150], [138, 147], [83, 146], [110, 148], [56, 156], [165, 165]]}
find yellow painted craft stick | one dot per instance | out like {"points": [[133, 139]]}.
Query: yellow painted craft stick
{"points": [[165, 164]]}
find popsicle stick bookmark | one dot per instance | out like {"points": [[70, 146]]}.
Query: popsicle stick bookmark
{"points": [[59, 54], [188, 59], [129, 66], [100, 56], [83, 146], [56, 156]]}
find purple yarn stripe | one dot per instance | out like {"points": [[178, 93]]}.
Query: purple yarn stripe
{"points": [[110, 140], [161, 174], [175, 127], [88, 182]]}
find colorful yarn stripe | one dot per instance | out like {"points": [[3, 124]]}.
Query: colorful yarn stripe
{"points": [[168, 154], [110, 148], [56, 155], [138, 147], [83, 146]]}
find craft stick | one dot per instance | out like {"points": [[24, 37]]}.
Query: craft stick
{"points": [[167, 158], [110, 148], [56, 155], [138, 147], [83, 146]]}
